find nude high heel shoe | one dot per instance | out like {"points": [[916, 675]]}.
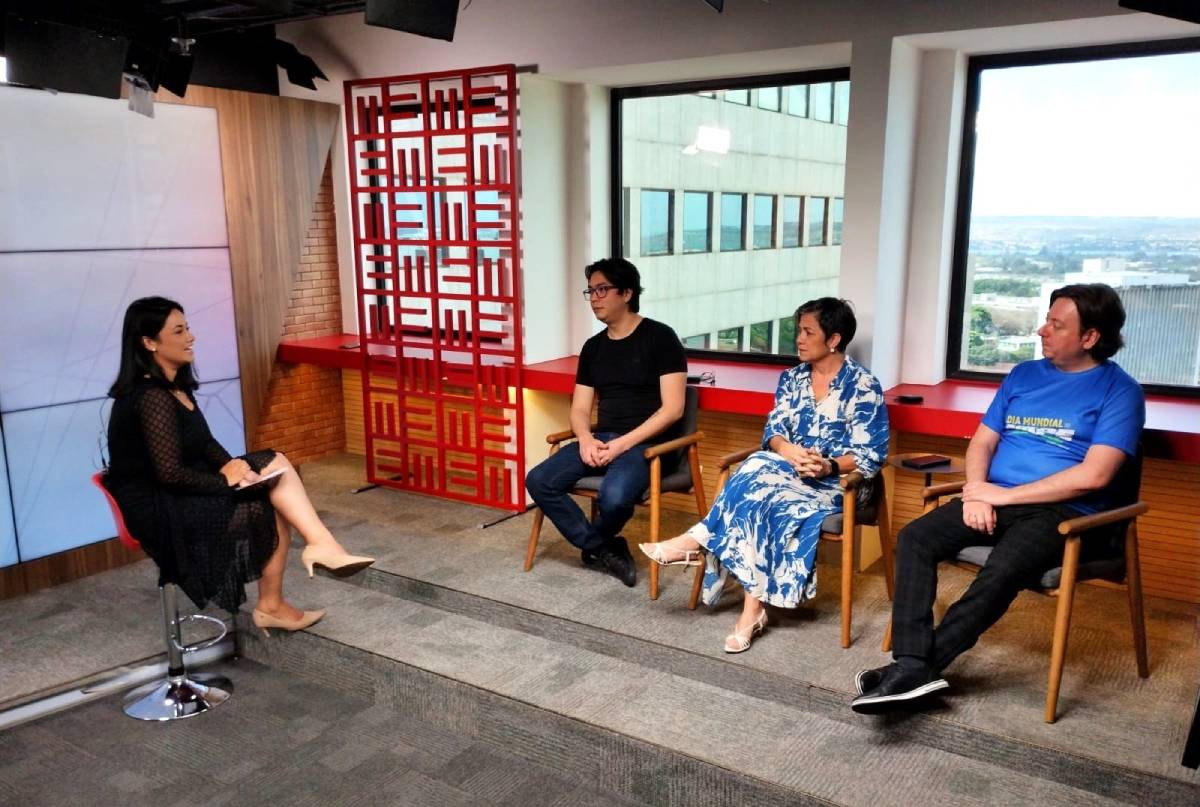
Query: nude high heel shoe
{"points": [[340, 562], [263, 620], [739, 641]]}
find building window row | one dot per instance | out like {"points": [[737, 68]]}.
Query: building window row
{"points": [[770, 221], [828, 102], [772, 336]]}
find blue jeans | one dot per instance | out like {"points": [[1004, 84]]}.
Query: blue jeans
{"points": [[625, 480]]}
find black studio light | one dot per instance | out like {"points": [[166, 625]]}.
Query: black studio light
{"points": [[1188, 10], [432, 18]]}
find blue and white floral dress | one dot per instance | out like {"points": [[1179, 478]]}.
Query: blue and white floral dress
{"points": [[764, 526]]}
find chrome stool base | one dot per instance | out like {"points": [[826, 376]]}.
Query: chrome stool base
{"points": [[178, 697]]}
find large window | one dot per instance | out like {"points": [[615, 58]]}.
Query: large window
{"points": [[820, 99], [697, 222], [816, 220], [835, 221], [729, 339], [764, 221], [1080, 167], [797, 100], [657, 215], [841, 103], [738, 97], [760, 337], [733, 221], [768, 98], [714, 199], [793, 219]]}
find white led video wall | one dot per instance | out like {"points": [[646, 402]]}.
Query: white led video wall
{"points": [[98, 206]]}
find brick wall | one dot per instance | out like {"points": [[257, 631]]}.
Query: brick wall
{"points": [[304, 415]]}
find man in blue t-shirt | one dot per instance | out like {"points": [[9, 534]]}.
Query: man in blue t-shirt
{"points": [[636, 371], [1048, 449]]}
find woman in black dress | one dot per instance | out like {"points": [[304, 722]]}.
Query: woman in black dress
{"points": [[194, 509]]}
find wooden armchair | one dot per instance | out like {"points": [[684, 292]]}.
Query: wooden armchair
{"points": [[841, 527], [1123, 571], [684, 478]]}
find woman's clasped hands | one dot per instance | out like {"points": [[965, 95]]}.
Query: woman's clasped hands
{"points": [[808, 462]]}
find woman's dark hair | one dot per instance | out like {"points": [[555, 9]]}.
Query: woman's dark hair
{"points": [[1099, 307], [622, 274], [146, 318], [834, 316]]}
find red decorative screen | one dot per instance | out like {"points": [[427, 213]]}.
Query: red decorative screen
{"points": [[433, 187]]}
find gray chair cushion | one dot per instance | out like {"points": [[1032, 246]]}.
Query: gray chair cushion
{"points": [[679, 480], [866, 514], [589, 483], [1112, 569]]}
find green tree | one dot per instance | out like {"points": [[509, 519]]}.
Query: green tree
{"points": [[981, 320]]}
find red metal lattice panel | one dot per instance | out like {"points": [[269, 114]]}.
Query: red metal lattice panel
{"points": [[433, 188]]}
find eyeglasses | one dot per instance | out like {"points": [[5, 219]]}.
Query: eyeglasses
{"points": [[599, 292]]}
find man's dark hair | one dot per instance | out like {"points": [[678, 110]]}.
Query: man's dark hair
{"points": [[1099, 307], [622, 274], [834, 316]]}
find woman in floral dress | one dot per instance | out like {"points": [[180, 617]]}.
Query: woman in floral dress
{"points": [[829, 419]]}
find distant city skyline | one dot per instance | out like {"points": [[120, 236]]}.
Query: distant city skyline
{"points": [[1111, 138]]}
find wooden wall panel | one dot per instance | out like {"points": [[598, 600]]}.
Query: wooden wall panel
{"points": [[273, 152], [34, 575], [1169, 535]]}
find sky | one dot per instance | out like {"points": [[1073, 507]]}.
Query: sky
{"points": [[1118, 137]]}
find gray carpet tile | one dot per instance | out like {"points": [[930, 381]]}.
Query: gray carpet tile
{"points": [[784, 746], [282, 739], [620, 698], [999, 686], [67, 633]]}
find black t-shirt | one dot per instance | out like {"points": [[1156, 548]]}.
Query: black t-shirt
{"points": [[625, 372]]}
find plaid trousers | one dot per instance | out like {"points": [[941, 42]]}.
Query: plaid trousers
{"points": [[1027, 544]]}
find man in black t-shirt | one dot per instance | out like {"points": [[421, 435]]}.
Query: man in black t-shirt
{"points": [[637, 369]]}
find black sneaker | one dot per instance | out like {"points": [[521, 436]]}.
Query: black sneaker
{"points": [[618, 566], [619, 545], [897, 686], [866, 680], [589, 558]]}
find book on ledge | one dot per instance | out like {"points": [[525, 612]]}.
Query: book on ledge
{"points": [[923, 461]]}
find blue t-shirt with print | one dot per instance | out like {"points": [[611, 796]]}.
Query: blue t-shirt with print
{"points": [[1048, 419]]}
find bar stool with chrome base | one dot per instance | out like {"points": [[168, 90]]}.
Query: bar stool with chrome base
{"points": [[180, 695]]}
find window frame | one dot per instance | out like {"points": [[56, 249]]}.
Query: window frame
{"points": [[783, 222], [810, 206], [670, 222], [976, 65], [708, 224], [618, 94], [743, 241], [753, 216]]}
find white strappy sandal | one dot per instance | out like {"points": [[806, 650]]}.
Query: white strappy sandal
{"points": [[691, 557], [738, 642]]}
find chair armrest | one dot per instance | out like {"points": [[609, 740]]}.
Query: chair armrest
{"points": [[943, 489], [852, 481], [1075, 526], [673, 445], [734, 458], [558, 437]]}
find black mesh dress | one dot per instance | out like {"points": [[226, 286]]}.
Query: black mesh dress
{"points": [[164, 471]]}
